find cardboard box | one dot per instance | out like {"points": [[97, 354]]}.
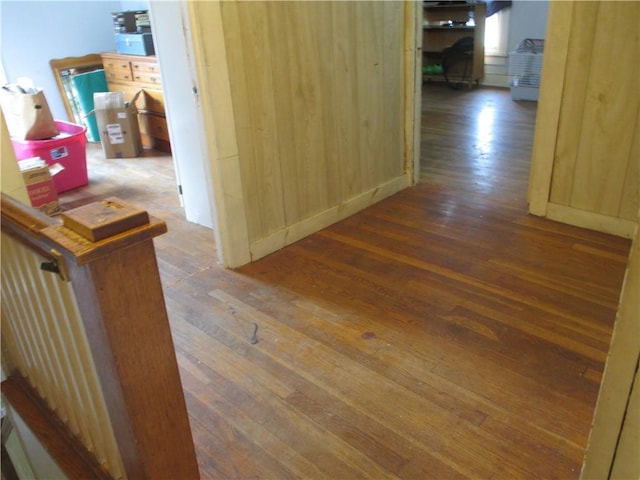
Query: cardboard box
{"points": [[118, 124], [135, 44], [37, 176]]}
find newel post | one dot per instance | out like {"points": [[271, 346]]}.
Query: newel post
{"points": [[108, 254]]}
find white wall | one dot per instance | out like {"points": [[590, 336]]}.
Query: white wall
{"points": [[34, 32], [527, 19], [134, 5]]}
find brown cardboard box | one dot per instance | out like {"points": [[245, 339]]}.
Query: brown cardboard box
{"points": [[118, 125], [40, 187]]}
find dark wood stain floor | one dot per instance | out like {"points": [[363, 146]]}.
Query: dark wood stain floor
{"points": [[441, 334]]}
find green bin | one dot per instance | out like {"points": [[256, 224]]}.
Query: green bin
{"points": [[84, 86]]}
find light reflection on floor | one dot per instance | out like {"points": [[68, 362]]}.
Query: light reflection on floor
{"points": [[476, 142], [484, 134]]}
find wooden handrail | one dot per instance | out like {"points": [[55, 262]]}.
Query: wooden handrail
{"points": [[25, 217], [43, 232], [119, 297], [25, 224]]}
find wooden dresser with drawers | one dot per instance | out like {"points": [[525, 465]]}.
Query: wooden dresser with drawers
{"points": [[130, 74]]}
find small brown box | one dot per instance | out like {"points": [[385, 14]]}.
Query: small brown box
{"points": [[99, 220], [37, 176]]}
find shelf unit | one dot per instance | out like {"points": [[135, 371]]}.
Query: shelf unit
{"points": [[443, 25]]}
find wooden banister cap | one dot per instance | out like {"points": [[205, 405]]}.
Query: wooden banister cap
{"points": [[99, 220], [99, 228]]}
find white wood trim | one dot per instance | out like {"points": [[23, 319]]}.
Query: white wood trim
{"points": [[550, 100], [617, 380], [591, 220], [413, 88], [297, 231], [626, 464], [215, 98]]}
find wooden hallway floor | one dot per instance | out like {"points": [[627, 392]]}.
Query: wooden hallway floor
{"points": [[441, 334]]}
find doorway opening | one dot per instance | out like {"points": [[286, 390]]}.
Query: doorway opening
{"points": [[476, 142]]}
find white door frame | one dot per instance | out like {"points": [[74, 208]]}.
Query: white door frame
{"points": [[173, 42]]}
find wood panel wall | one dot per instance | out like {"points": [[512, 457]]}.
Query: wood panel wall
{"points": [[11, 181], [318, 99], [612, 451], [586, 160]]}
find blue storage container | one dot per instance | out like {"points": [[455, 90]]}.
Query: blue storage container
{"points": [[135, 43]]}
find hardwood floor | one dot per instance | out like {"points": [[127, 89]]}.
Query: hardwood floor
{"points": [[440, 334]]}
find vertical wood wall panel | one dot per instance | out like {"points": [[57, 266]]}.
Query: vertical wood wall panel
{"points": [[578, 68], [322, 37], [318, 104], [392, 91], [369, 32], [300, 107], [611, 103], [346, 98], [617, 377], [261, 125], [552, 88], [585, 171]]}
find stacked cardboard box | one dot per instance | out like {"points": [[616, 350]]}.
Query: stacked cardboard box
{"points": [[37, 176]]}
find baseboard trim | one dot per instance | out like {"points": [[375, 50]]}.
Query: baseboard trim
{"points": [[590, 220], [495, 80], [306, 227]]}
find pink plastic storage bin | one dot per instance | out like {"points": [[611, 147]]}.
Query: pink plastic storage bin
{"points": [[68, 149]]}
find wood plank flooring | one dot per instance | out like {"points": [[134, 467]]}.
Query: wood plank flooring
{"points": [[440, 334]]}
